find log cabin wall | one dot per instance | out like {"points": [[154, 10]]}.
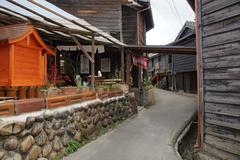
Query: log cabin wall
{"points": [[104, 14], [221, 76], [129, 21]]}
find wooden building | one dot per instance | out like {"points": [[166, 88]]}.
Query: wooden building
{"points": [[218, 51], [23, 56], [128, 21], [177, 70], [184, 74]]}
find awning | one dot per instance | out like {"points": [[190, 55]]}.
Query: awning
{"points": [[51, 20], [162, 49]]}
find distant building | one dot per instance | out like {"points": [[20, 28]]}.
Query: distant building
{"points": [[184, 66], [176, 72]]}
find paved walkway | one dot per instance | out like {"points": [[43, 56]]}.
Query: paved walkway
{"points": [[148, 136]]}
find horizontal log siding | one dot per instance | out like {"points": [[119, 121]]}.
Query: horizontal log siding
{"points": [[129, 25], [221, 65], [104, 14]]}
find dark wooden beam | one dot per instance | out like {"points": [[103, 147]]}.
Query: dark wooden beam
{"points": [[92, 64], [83, 50], [162, 49]]}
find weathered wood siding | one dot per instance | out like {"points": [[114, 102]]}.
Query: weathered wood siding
{"points": [[104, 14], [185, 63], [221, 76], [129, 25]]}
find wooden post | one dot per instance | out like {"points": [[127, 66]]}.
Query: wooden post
{"points": [[122, 65], [128, 70], [93, 64]]}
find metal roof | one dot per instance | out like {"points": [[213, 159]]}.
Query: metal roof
{"points": [[50, 19]]}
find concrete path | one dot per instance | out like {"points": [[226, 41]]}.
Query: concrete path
{"points": [[149, 136]]}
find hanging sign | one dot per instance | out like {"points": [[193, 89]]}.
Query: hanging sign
{"points": [[140, 61]]}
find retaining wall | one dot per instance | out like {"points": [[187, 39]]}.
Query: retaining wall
{"points": [[48, 134]]}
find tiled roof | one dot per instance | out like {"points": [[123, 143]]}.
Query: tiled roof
{"points": [[13, 31]]}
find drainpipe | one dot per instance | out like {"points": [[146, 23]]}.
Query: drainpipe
{"points": [[199, 71]]}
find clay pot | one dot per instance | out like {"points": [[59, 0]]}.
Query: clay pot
{"points": [[2, 92], [22, 92], [31, 92], [11, 91]]}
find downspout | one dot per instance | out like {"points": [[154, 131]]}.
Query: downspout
{"points": [[199, 71], [138, 40]]}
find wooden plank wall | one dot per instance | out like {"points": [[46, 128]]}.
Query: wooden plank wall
{"points": [[129, 22], [221, 76], [104, 14]]}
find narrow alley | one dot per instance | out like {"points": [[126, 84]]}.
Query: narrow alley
{"points": [[149, 136]]}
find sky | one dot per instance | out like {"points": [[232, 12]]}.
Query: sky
{"points": [[168, 21]]}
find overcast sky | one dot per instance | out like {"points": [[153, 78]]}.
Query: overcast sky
{"points": [[168, 22]]}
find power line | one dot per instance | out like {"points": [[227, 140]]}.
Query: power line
{"points": [[174, 12], [177, 12]]}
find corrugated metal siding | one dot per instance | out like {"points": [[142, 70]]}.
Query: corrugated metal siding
{"points": [[221, 64]]}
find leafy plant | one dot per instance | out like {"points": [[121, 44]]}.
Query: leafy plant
{"points": [[72, 147]]}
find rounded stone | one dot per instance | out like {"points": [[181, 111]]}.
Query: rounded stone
{"points": [[57, 144], [78, 137], [52, 155], [60, 132], [40, 118], [51, 135], [26, 144], [71, 129], [6, 129], [37, 128], [12, 156], [2, 153], [11, 143], [17, 156], [18, 127], [42, 138], [34, 153], [29, 122], [65, 139], [47, 149], [57, 125]]}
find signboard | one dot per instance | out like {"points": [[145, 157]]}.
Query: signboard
{"points": [[140, 61]]}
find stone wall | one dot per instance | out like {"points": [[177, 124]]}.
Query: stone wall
{"points": [[47, 135]]}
